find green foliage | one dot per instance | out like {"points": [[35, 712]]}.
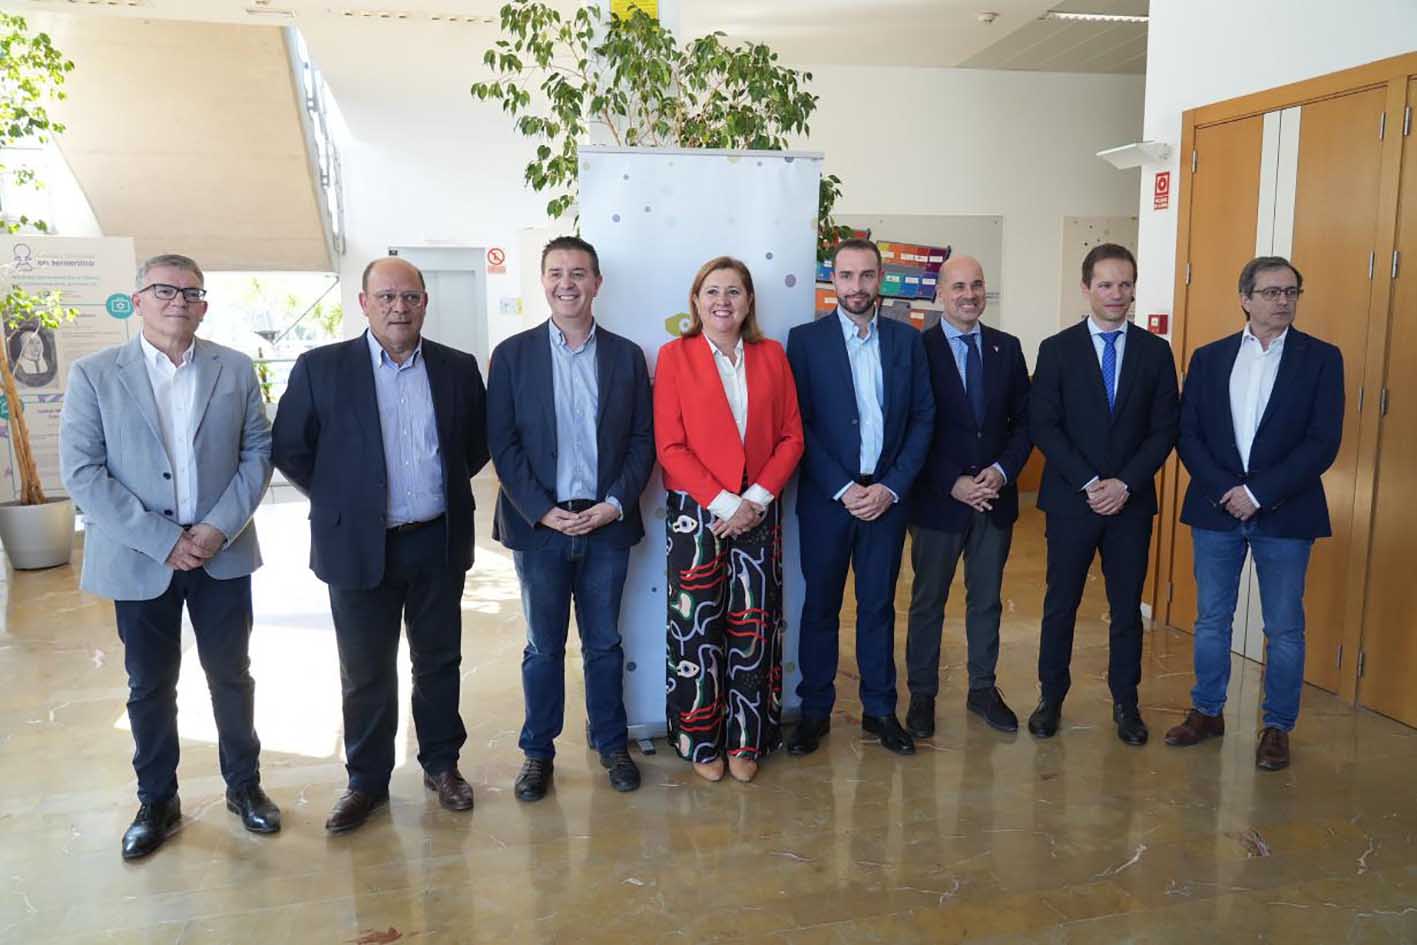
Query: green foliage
{"points": [[630, 77], [23, 309], [263, 376], [31, 75]]}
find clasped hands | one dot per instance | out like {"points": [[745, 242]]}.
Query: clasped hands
{"points": [[1236, 501], [1107, 496], [867, 503], [746, 519], [978, 491], [576, 524], [198, 545]]}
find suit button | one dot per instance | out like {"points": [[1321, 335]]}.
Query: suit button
{"points": [[853, 423], [167, 475], [167, 512], [979, 435]]}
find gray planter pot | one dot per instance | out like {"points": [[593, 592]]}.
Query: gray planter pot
{"points": [[37, 536]]}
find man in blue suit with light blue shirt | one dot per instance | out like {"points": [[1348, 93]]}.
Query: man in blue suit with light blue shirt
{"points": [[863, 387], [1261, 421], [570, 427]]}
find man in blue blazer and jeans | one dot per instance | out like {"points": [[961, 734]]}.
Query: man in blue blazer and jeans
{"points": [[867, 413], [570, 426], [1261, 420]]}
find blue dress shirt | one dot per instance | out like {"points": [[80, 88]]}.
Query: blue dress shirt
{"points": [[576, 394], [410, 432]]}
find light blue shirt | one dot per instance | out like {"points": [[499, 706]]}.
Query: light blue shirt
{"points": [[960, 349], [869, 385], [576, 394], [410, 433], [1100, 345]]}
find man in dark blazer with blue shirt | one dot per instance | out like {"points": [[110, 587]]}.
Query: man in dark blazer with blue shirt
{"points": [[966, 499], [384, 433], [1261, 420], [570, 426], [863, 387], [1103, 410]]}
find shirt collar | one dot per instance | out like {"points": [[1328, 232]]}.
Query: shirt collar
{"points": [[1248, 335], [720, 356], [558, 337], [1095, 331], [952, 332], [849, 329], [379, 355], [151, 352]]}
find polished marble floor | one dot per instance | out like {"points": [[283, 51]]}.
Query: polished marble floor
{"points": [[980, 837]]}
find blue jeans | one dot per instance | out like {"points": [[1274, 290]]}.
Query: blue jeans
{"points": [[1281, 564], [592, 575]]}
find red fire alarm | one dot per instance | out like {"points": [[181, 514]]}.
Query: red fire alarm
{"points": [[1161, 192], [1157, 323]]}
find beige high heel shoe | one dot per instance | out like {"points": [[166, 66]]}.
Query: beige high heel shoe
{"points": [[742, 769], [709, 770]]}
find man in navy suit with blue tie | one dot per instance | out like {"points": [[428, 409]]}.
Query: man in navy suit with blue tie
{"points": [[867, 413], [570, 426], [1261, 420], [966, 500], [1103, 410]]}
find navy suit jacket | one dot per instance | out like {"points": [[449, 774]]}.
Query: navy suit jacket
{"points": [[1297, 439], [1070, 423], [327, 440], [962, 447], [521, 432], [827, 399]]}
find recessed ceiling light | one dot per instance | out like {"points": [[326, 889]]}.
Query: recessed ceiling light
{"points": [[1093, 17]]}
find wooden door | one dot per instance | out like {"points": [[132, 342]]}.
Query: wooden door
{"points": [[1336, 203], [1389, 681], [1225, 194]]}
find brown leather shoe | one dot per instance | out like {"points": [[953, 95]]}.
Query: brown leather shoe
{"points": [[1195, 729], [352, 809], [1273, 751], [453, 792]]}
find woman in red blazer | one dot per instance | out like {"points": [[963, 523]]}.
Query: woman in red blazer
{"points": [[729, 437]]}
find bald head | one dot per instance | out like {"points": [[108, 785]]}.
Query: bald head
{"points": [[390, 261], [962, 291]]}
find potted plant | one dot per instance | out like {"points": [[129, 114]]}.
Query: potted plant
{"points": [[37, 531], [629, 77]]}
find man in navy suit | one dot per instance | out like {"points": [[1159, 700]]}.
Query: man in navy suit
{"points": [[867, 412], [570, 426], [1261, 419], [384, 433], [1103, 409], [966, 500]]}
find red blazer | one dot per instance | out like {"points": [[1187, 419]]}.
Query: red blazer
{"points": [[694, 433]]}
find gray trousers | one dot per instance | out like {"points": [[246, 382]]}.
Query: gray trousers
{"points": [[935, 556]]}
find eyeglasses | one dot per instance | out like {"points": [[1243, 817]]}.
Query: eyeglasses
{"points": [[411, 299], [1274, 294], [165, 292]]}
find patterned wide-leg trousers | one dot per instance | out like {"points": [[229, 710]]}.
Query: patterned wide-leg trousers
{"points": [[724, 679]]}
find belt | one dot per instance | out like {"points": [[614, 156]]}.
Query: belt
{"points": [[576, 505], [413, 526], [866, 479]]}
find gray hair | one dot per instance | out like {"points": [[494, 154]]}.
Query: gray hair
{"points": [[1260, 264], [172, 260]]}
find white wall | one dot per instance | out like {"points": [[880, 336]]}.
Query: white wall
{"points": [[1204, 51], [1019, 144]]}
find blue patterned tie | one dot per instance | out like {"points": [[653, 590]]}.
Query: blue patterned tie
{"points": [[1109, 366], [973, 377]]}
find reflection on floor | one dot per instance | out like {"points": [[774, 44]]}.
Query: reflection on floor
{"points": [[980, 837]]}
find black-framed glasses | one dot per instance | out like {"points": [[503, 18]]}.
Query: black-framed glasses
{"points": [[1275, 293], [411, 299], [165, 292]]}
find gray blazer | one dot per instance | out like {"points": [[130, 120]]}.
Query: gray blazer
{"points": [[114, 464]]}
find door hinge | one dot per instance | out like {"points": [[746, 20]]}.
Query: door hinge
{"points": [[1396, 255], [1194, 161], [1170, 589], [1188, 273], [1360, 398], [1406, 120], [1382, 126], [1382, 403], [1362, 662], [1372, 261], [1340, 656]]}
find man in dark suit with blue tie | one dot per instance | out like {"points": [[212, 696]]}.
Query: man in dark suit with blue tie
{"points": [[1103, 410], [1261, 420], [863, 387], [966, 499], [570, 426], [384, 433]]}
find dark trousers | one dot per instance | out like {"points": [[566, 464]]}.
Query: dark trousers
{"points": [[935, 555], [832, 540], [151, 631], [592, 575], [422, 591], [1125, 542]]}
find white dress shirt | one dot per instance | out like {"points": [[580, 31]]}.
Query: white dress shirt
{"points": [[733, 372], [175, 390], [1251, 383]]}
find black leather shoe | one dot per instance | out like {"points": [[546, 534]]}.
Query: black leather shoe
{"points": [[624, 774], [1130, 728], [1043, 723], [888, 730], [258, 813], [989, 705], [807, 736], [920, 718], [154, 823], [533, 780], [454, 793], [352, 809]]}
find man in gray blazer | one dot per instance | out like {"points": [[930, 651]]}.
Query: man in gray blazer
{"points": [[164, 445]]}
